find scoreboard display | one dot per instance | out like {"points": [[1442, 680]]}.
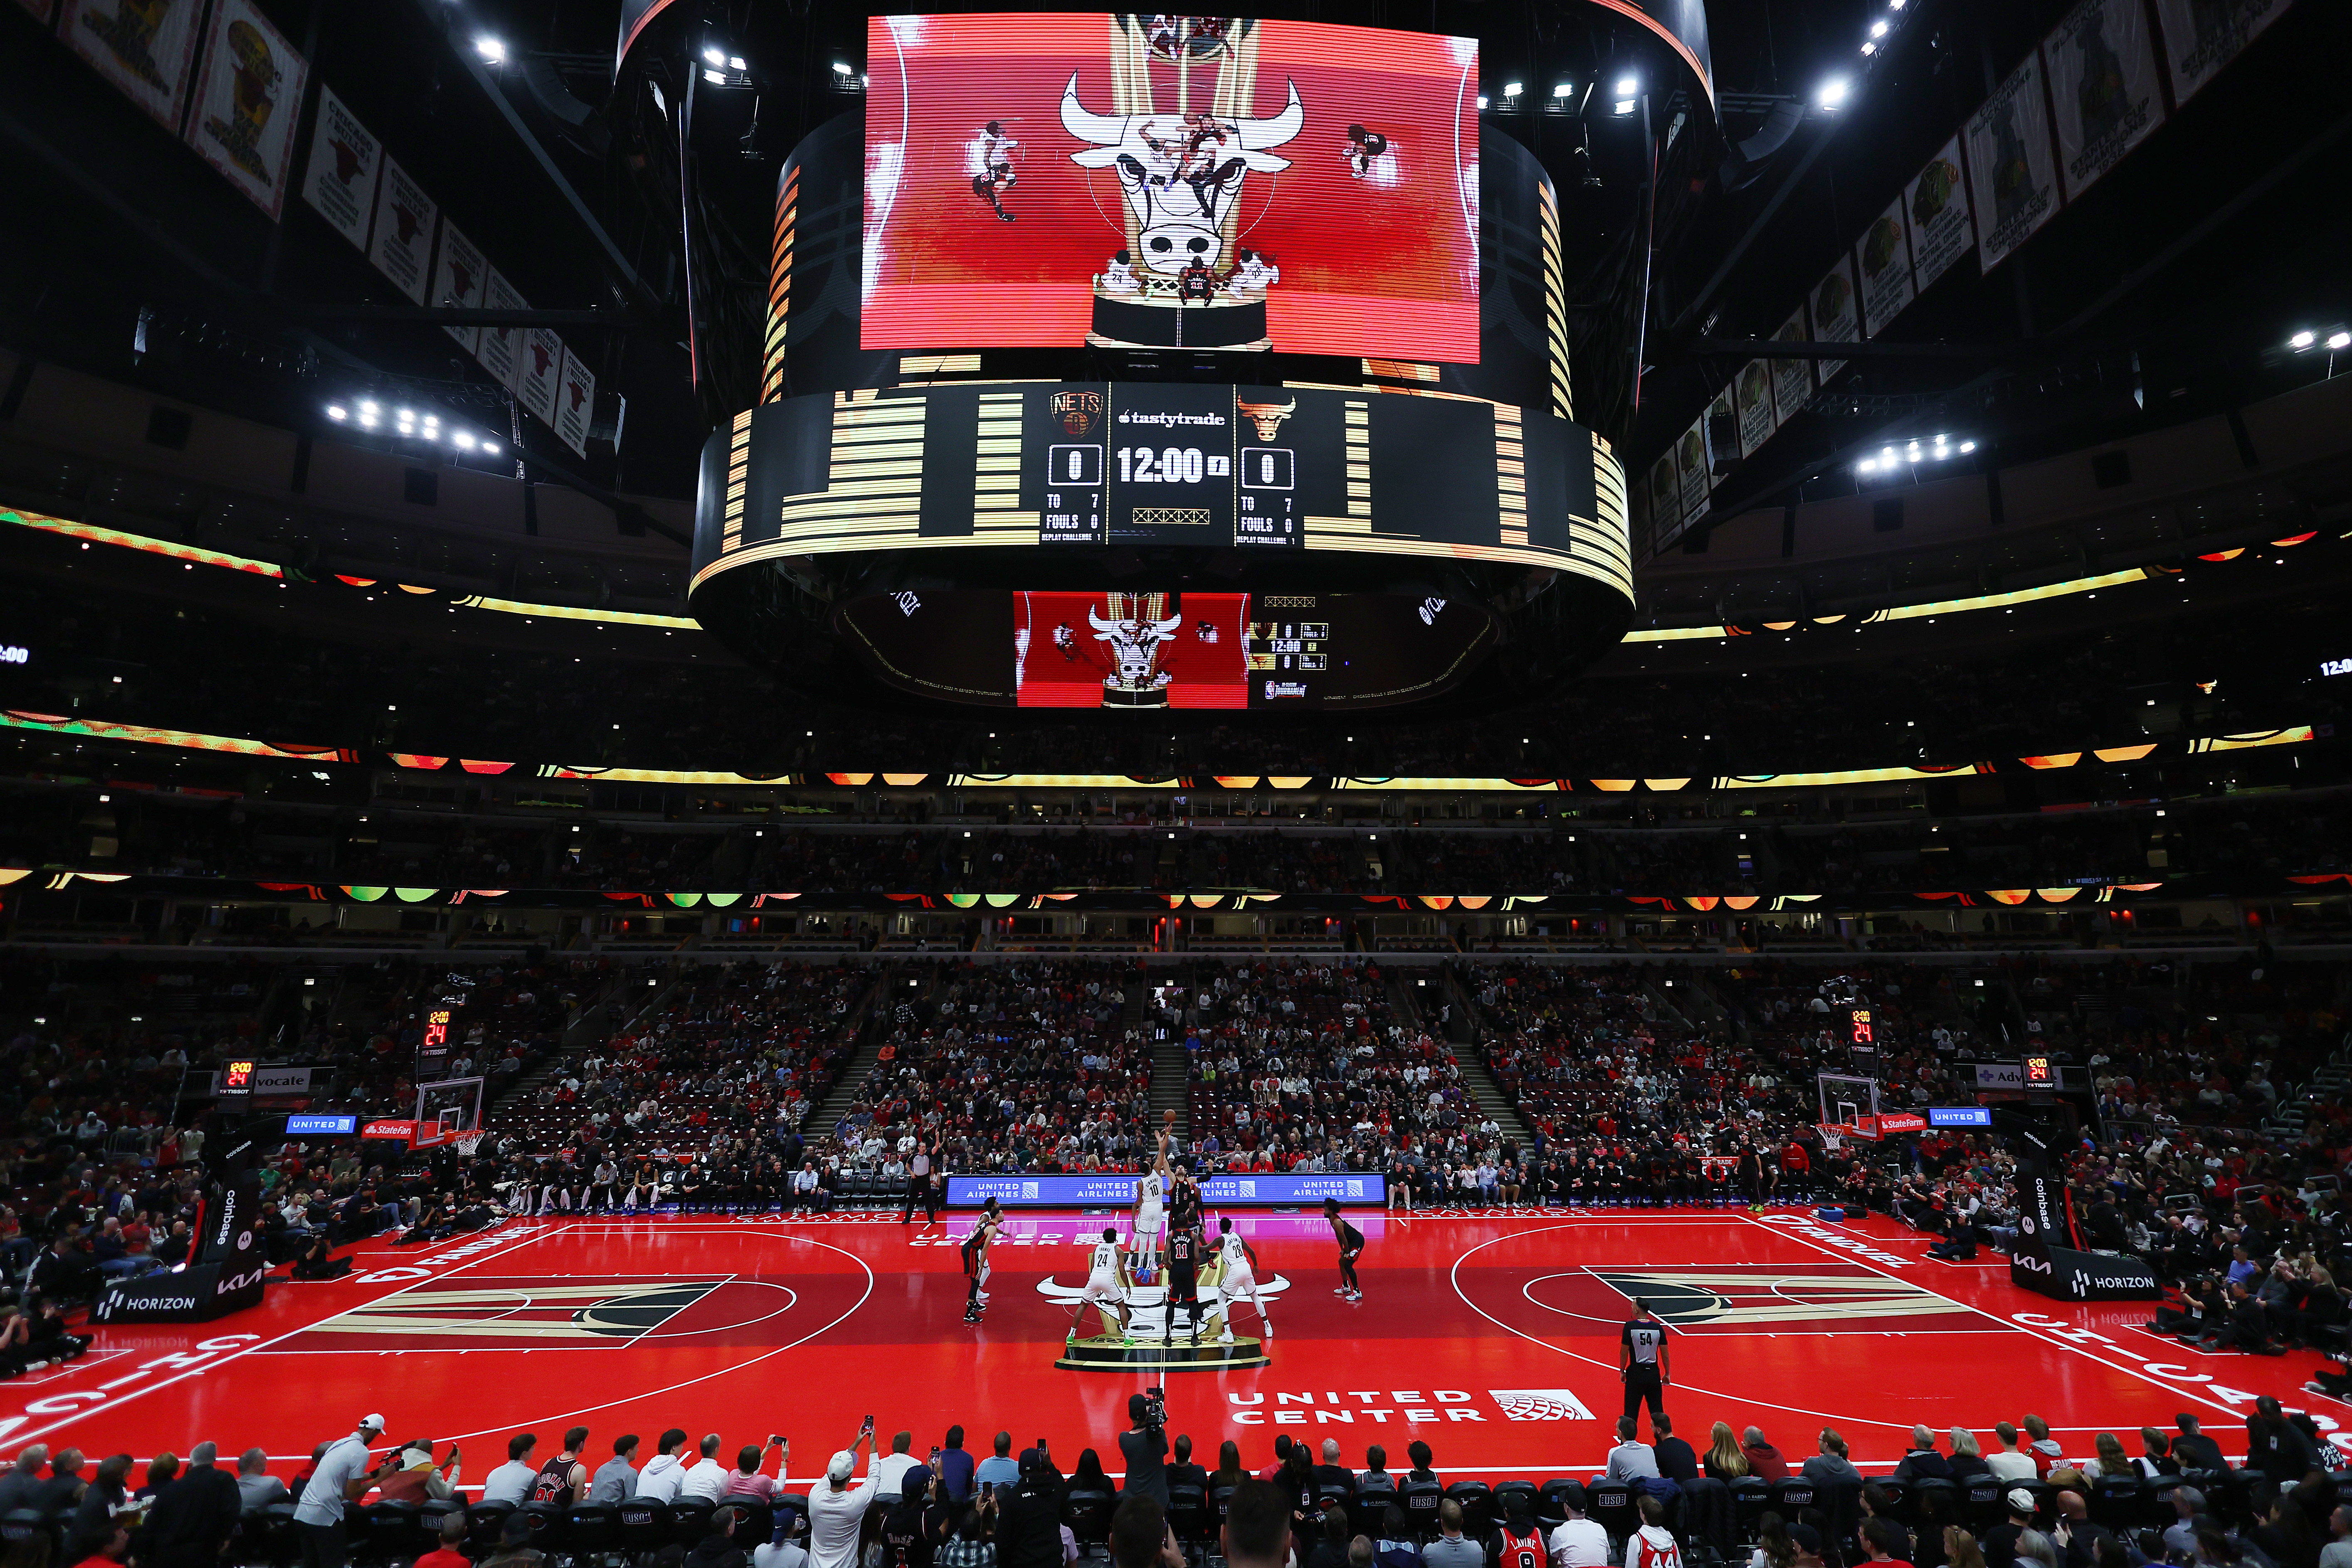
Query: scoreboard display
{"points": [[1208, 466]]}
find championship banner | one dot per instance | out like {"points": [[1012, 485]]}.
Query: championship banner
{"points": [[345, 163], [497, 348], [575, 402], [1835, 313], [1886, 256], [248, 100], [145, 47], [1935, 204], [1692, 478], [459, 273], [2200, 36], [2103, 92], [1793, 380], [1751, 392], [2013, 168], [403, 246], [1665, 500], [538, 365]]}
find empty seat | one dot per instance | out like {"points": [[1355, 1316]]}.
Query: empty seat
{"points": [[1420, 1500], [1477, 1503], [485, 1522], [1088, 1514], [1610, 1504], [689, 1519], [1751, 1499], [592, 1527], [2120, 1502], [642, 1524], [1188, 1515]]}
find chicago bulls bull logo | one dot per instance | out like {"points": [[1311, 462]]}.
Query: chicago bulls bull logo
{"points": [[1181, 175]]}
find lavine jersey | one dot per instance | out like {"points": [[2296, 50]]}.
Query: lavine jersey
{"points": [[1522, 1551]]}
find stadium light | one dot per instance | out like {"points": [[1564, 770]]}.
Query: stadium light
{"points": [[1513, 88], [336, 411], [712, 54], [841, 69], [1481, 103], [2302, 340], [1563, 89], [491, 49], [1870, 48], [2340, 341], [1832, 93], [1628, 86], [1878, 28], [492, 447]]}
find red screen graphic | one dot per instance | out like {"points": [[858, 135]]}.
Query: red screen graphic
{"points": [[1360, 210], [1131, 649]]}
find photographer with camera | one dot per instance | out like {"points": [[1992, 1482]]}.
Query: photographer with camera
{"points": [[1144, 1446]]}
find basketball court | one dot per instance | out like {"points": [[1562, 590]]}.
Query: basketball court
{"points": [[1493, 1336]]}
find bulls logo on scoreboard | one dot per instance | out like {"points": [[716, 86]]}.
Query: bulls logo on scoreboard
{"points": [[1079, 410]]}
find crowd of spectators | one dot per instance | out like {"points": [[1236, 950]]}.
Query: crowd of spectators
{"points": [[2008, 1498]]}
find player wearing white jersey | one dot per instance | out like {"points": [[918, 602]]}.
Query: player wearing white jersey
{"points": [[1236, 1278], [1151, 1217], [1107, 1281]]}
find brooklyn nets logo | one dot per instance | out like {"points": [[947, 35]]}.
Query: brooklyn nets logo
{"points": [[1766, 1301]]}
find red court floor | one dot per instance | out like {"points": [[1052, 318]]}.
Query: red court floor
{"points": [[1493, 1336]]}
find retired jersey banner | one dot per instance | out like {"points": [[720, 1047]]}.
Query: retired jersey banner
{"points": [[1835, 314], [459, 276], [497, 348], [345, 163], [538, 365], [2013, 170], [1793, 380], [145, 47], [1751, 394], [2200, 36], [248, 99], [1936, 207], [2103, 91], [575, 402], [401, 249], [1886, 256]]}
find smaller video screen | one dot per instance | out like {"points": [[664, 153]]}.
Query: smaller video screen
{"points": [[1156, 651]]}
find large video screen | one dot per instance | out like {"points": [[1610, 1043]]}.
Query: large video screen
{"points": [[1156, 651], [1157, 181]]}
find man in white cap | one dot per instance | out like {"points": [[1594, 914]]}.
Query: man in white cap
{"points": [[342, 1475], [838, 1509]]}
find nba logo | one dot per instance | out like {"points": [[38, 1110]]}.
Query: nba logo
{"points": [[1028, 1189], [1249, 1190], [1355, 1189]]}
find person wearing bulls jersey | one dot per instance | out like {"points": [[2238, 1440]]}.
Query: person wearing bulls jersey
{"points": [[1523, 1543], [1654, 1545], [1183, 1283]]}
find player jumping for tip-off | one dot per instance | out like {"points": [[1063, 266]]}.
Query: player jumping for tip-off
{"points": [[1150, 1216], [1236, 1278], [1107, 1283]]}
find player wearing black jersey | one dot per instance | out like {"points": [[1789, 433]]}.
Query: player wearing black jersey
{"points": [[975, 1262], [1183, 1283], [1351, 1246]]}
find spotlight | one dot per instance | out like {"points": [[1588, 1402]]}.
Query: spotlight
{"points": [[403, 413], [735, 63], [337, 411], [1481, 103], [1831, 94], [713, 54], [1628, 86], [492, 447], [465, 440], [1513, 88], [1878, 28], [1968, 446], [367, 408], [842, 69], [492, 50], [716, 79], [1867, 465], [1870, 48], [1563, 89], [2340, 341], [1625, 105]]}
